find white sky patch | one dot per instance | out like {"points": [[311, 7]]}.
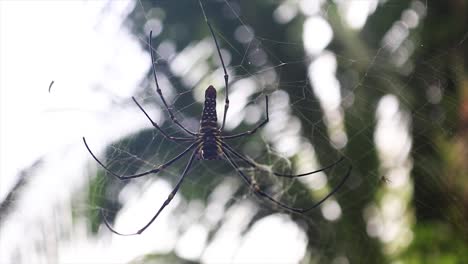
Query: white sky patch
{"points": [[307, 161], [394, 142], [322, 75], [356, 12], [193, 242], [327, 88], [283, 130], [310, 8], [285, 12], [35, 121], [244, 34], [287, 244], [155, 25], [240, 93], [317, 34], [394, 37], [228, 238], [191, 56], [390, 220], [331, 210], [397, 35]]}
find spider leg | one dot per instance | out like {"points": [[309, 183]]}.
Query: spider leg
{"points": [[166, 202], [158, 169], [158, 90], [256, 188], [246, 160], [226, 76], [159, 128], [259, 192], [250, 132]]}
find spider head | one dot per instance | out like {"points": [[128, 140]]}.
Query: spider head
{"points": [[210, 92]]}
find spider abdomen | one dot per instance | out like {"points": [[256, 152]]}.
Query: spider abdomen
{"points": [[209, 131]]}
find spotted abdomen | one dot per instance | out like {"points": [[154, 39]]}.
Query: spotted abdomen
{"points": [[209, 131]]}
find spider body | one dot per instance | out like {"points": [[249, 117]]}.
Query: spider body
{"points": [[210, 143], [209, 132]]}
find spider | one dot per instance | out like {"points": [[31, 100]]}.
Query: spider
{"points": [[209, 143]]}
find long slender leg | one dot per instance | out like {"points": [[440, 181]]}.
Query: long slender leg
{"points": [[226, 76], [246, 160], [250, 132], [159, 128], [259, 192], [158, 90], [166, 202], [158, 169]]}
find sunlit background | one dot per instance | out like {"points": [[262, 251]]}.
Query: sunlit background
{"points": [[382, 83]]}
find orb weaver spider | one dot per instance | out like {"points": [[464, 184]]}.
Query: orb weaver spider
{"points": [[209, 143]]}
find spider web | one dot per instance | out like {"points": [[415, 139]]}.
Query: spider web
{"points": [[332, 93]]}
